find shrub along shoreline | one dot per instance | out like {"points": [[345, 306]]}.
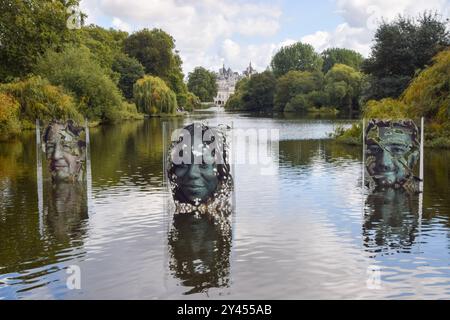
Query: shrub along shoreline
{"points": [[428, 96]]}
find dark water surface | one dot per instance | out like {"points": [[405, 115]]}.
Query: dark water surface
{"points": [[306, 231]]}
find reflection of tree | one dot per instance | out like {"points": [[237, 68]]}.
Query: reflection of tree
{"points": [[303, 152], [200, 252], [437, 182], [128, 147], [391, 220]]}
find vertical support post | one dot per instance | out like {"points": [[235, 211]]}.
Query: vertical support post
{"points": [[421, 176], [39, 179], [363, 170], [88, 169], [363, 175], [422, 143]]}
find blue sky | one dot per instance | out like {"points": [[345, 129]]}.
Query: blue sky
{"points": [[212, 32]]}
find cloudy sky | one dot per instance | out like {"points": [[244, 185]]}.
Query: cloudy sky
{"points": [[211, 32]]}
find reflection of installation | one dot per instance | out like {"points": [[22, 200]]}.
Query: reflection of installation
{"points": [[68, 156], [198, 172], [391, 150]]}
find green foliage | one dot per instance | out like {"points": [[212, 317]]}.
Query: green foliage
{"points": [[429, 93], [27, 30], [154, 49], [129, 70], [192, 102], [427, 96], [203, 84], [348, 57], [293, 84], [127, 111], [401, 48], [258, 92], [38, 99], [386, 109], [154, 97], [188, 101], [351, 136], [299, 103], [104, 44], [343, 87], [77, 70], [9, 117], [299, 56]]}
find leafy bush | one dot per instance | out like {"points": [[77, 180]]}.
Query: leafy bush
{"points": [[429, 93], [190, 101], [128, 111], [153, 96], [38, 99], [298, 104], [352, 136], [9, 117], [386, 109], [76, 69]]}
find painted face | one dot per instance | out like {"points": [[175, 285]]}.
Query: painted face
{"points": [[65, 152], [198, 171], [391, 153], [197, 182]]}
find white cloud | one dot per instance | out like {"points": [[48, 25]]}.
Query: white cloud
{"points": [[207, 31], [198, 26], [120, 25], [362, 18], [343, 36]]}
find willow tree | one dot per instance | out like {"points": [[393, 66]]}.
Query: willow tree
{"points": [[153, 97]]}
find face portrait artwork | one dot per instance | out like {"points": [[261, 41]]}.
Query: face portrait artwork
{"points": [[65, 151], [392, 152], [198, 170]]}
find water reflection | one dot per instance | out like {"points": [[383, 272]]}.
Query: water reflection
{"points": [[66, 213], [199, 249], [301, 233], [391, 221]]}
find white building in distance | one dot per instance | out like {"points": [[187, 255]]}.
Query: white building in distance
{"points": [[226, 82]]}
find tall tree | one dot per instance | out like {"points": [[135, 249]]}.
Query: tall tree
{"points": [[104, 44], [343, 87], [28, 29], [299, 56], [203, 84], [129, 70], [154, 49], [348, 57], [401, 48], [259, 92], [295, 83]]}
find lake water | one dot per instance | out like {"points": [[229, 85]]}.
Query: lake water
{"points": [[308, 230]]}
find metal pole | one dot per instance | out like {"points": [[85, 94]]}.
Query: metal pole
{"points": [[421, 176], [422, 143], [39, 178], [364, 154], [88, 170]]}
